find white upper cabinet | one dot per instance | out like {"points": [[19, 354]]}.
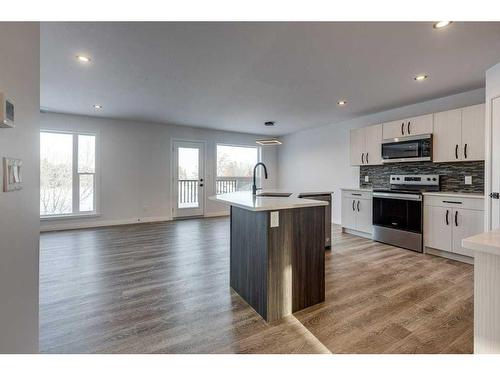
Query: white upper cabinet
{"points": [[459, 134], [473, 140], [407, 127], [419, 125], [357, 146], [394, 129], [365, 145], [447, 138], [373, 148]]}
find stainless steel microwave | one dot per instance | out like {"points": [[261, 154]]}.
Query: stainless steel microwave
{"points": [[407, 149]]}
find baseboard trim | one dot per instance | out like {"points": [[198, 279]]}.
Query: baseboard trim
{"points": [[217, 214], [446, 254], [50, 227], [357, 233]]}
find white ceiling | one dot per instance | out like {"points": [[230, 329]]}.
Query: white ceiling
{"points": [[236, 76]]}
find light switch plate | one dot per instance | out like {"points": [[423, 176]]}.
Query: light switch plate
{"points": [[275, 219], [367, 179], [12, 174], [468, 180]]}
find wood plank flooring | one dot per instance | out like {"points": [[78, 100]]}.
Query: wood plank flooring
{"points": [[164, 288]]}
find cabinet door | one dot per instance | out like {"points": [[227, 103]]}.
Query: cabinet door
{"points": [[373, 141], [466, 223], [447, 136], [437, 229], [394, 129], [357, 146], [348, 213], [364, 214], [419, 125], [473, 140]]}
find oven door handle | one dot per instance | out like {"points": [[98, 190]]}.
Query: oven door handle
{"points": [[406, 197]]}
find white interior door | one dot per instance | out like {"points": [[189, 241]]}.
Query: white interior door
{"points": [[188, 178]]}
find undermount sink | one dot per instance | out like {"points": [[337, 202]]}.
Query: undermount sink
{"points": [[284, 195]]}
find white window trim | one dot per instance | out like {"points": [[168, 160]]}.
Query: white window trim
{"points": [[259, 159], [76, 179]]}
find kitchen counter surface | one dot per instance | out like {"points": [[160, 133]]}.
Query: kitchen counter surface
{"points": [[456, 195], [245, 200], [487, 242], [369, 190]]}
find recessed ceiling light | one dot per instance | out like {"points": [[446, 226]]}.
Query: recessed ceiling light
{"points": [[441, 24], [342, 102], [97, 106], [421, 77], [83, 58], [269, 123], [268, 142]]}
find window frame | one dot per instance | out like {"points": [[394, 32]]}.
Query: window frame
{"points": [[246, 145], [76, 213]]}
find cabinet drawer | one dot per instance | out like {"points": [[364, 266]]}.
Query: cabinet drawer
{"points": [[356, 194], [454, 202]]}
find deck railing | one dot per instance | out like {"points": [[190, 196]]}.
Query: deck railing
{"points": [[231, 184], [188, 189]]}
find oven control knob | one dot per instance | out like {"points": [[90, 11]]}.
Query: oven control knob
{"points": [[434, 179], [398, 178], [428, 178]]}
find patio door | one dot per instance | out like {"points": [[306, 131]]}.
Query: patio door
{"points": [[188, 178]]}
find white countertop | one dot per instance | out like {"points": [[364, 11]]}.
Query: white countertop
{"points": [[456, 195], [369, 190], [245, 199], [487, 242]]}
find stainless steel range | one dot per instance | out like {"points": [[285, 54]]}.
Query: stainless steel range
{"points": [[398, 211]]}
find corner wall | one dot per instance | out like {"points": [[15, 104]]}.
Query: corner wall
{"points": [[135, 167], [19, 210], [318, 159]]}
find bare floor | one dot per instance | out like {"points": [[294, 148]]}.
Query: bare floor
{"points": [[164, 288]]}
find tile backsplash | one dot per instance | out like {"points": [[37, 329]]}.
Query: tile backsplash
{"points": [[452, 174]]}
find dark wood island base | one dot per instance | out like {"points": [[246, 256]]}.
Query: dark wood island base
{"points": [[278, 270]]}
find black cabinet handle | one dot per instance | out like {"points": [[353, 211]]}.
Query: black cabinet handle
{"points": [[357, 194], [465, 151], [454, 202], [201, 185], [447, 221], [456, 218], [363, 158], [367, 158], [402, 128], [456, 151], [353, 203], [358, 206], [409, 127]]}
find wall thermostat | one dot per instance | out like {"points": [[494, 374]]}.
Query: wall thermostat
{"points": [[12, 178], [6, 112]]}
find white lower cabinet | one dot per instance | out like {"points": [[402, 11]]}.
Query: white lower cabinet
{"points": [[448, 220], [357, 211]]}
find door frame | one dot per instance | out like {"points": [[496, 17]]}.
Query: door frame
{"points": [[173, 178]]}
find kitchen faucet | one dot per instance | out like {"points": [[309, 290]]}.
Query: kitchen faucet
{"points": [[254, 187]]}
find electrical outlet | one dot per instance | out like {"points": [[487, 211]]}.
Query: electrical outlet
{"points": [[275, 219], [468, 180], [367, 178]]}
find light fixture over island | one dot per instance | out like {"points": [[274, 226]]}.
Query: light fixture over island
{"points": [[277, 256]]}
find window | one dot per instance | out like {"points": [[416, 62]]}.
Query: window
{"points": [[235, 167], [67, 173]]}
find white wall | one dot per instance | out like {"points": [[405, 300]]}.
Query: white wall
{"points": [[318, 159], [135, 167], [19, 224]]}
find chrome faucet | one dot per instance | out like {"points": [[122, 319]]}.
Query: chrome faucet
{"points": [[254, 187]]}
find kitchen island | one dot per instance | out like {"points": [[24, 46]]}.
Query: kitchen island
{"points": [[277, 250]]}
